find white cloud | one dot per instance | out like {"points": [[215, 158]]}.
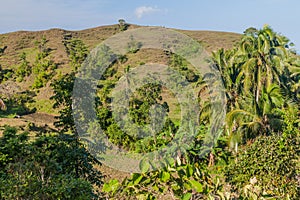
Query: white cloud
{"points": [[140, 11]]}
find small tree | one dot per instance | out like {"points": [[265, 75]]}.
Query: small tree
{"points": [[77, 52], [23, 69], [133, 46], [43, 67], [3, 49], [122, 25]]}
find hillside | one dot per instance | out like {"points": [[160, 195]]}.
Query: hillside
{"points": [[26, 42], [242, 144], [42, 118]]}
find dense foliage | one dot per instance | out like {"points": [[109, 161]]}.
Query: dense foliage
{"points": [[261, 78], [257, 155], [49, 167]]}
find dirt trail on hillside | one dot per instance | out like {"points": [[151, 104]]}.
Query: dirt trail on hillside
{"points": [[39, 119]]}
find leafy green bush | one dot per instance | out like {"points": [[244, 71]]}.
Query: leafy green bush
{"points": [[133, 46], [43, 67], [43, 70], [5, 74], [52, 166], [177, 181], [17, 104], [77, 51], [272, 160], [23, 69], [188, 177]]}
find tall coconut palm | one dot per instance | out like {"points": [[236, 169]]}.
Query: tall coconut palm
{"points": [[262, 56], [229, 71], [259, 80], [224, 70], [251, 122], [295, 75]]}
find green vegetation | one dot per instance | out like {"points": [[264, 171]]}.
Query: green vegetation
{"points": [[123, 26], [261, 92], [133, 46], [257, 155], [42, 105], [23, 69], [77, 52], [49, 167], [43, 67], [17, 105]]}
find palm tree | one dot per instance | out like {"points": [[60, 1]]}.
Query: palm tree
{"points": [[255, 75], [251, 122], [229, 71], [295, 70], [258, 76], [262, 56]]}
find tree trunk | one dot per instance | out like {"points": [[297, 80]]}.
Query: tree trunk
{"points": [[211, 160], [2, 105]]}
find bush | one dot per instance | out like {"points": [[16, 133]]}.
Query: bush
{"points": [[272, 161], [52, 166], [17, 104], [24, 69]]}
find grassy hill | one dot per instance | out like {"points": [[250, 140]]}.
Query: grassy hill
{"points": [[255, 157], [27, 42]]}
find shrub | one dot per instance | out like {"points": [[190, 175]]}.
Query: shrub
{"points": [[272, 160], [51, 166]]}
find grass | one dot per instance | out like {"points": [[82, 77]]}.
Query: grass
{"points": [[8, 115], [24, 41], [12, 112], [30, 53], [43, 105]]}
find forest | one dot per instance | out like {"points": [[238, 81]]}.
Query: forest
{"points": [[254, 154]]}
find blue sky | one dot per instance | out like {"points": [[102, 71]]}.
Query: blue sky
{"points": [[220, 15]]}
